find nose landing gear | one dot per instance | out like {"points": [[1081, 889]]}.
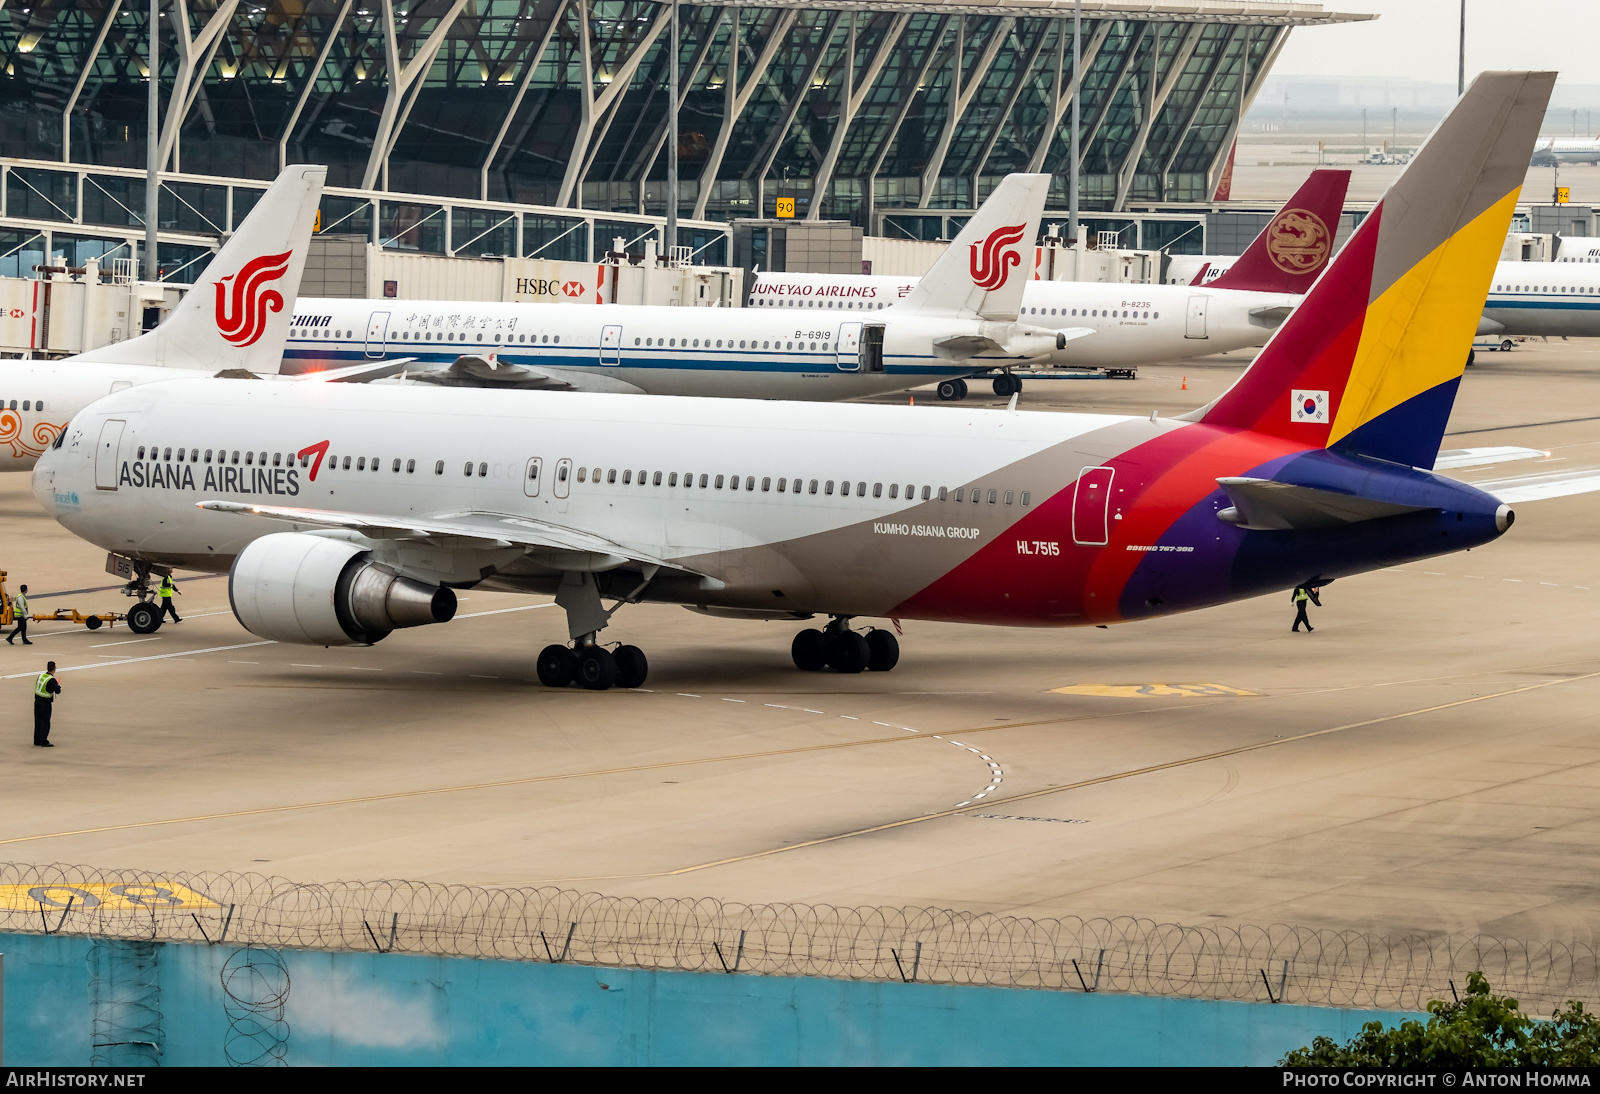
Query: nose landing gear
{"points": [[843, 650]]}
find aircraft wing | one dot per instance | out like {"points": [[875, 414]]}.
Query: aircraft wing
{"points": [[487, 370], [554, 545], [1020, 341], [1265, 505]]}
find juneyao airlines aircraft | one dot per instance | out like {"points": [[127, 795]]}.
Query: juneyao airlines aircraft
{"points": [[963, 319], [1133, 324], [344, 512], [235, 318]]}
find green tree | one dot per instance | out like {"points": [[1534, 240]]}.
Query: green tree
{"points": [[1481, 1030]]}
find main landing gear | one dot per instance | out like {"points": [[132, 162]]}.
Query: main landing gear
{"points": [[952, 391], [586, 662], [1007, 384], [841, 649], [593, 667]]}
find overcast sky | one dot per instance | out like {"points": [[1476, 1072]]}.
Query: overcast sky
{"points": [[1417, 39]]}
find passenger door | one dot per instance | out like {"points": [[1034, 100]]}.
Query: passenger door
{"points": [[378, 334], [530, 477], [1195, 321], [611, 346], [105, 457], [1091, 507], [849, 347]]}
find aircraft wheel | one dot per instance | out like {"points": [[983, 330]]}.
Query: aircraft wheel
{"points": [[632, 668], [810, 651], [144, 618], [1508, 345], [597, 669], [848, 652], [1472, 357], [93, 622], [883, 651], [961, 386], [1002, 384], [556, 666], [951, 390]]}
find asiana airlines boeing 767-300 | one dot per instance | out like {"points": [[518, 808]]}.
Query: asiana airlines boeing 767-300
{"points": [[342, 513]]}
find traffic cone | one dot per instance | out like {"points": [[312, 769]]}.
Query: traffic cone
{"points": [[1185, 384]]}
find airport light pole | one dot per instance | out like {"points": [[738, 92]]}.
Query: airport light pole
{"points": [[672, 137], [1072, 147], [1461, 66], [152, 135]]}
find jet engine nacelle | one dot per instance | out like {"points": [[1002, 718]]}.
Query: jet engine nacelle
{"points": [[292, 587]]}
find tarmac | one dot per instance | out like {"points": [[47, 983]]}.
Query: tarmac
{"points": [[1427, 760]]}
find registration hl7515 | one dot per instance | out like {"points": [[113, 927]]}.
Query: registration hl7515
{"points": [[1037, 547]]}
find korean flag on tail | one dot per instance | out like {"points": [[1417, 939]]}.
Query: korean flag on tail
{"points": [[1309, 406]]}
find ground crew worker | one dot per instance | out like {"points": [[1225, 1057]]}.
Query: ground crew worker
{"points": [[1303, 595], [45, 690], [19, 608], [166, 590]]}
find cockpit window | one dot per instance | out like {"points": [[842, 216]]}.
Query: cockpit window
{"points": [[61, 438]]}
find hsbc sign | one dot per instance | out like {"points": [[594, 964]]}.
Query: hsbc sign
{"points": [[544, 286]]}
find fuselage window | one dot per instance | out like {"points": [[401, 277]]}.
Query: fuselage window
{"points": [[655, 481], [703, 482], [361, 462], [672, 479], [611, 478], [927, 489], [627, 477], [438, 467], [428, 337], [647, 342], [642, 476], [1010, 495], [718, 482], [960, 495], [750, 482], [783, 485], [733, 482], [411, 468], [741, 343], [235, 458], [813, 486], [25, 405], [1155, 315], [583, 474], [208, 455], [249, 457], [141, 452], [976, 492], [766, 485], [466, 468], [1026, 497], [277, 458], [672, 341], [396, 468], [861, 489], [789, 345], [828, 489], [894, 490], [483, 471]]}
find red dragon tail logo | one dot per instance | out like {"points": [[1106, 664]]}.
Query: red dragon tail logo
{"points": [[991, 260], [242, 313]]}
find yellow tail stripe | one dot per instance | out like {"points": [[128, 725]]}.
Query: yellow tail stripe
{"points": [[1418, 333]]}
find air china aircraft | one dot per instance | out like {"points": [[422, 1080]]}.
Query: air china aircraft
{"points": [[344, 512], [235, 318], [1566, 150], [1133, 324], [963, 319]]}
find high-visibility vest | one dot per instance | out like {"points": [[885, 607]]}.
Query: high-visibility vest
{"points": [[40, 689], [19, 604], [166, 588], [1301, 595]]}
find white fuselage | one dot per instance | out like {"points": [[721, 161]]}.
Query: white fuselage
{"points": [[648, 473], [726, 352], [1567, 150], [40, 397], [1544, 298], [1133, 324]]}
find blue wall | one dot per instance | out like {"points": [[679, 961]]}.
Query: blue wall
{"points": [[367, 1008]]}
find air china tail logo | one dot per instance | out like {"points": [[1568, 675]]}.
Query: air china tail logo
{"points": [[1298, 242], [242, 307], [991, 260]]}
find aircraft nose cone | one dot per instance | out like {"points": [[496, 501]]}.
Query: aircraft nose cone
{"points": [[1504, 517]]}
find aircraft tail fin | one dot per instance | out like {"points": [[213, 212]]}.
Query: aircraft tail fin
{"points": [[237, 315], [1370, 361], [983, 273], [1296, 244]]}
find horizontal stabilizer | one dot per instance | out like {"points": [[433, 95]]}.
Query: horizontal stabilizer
{"points": [[1551, 484], [1452, 458], [1262, 505]]}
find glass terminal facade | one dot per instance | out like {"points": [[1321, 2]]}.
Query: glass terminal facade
{"points": [[858, 110]]}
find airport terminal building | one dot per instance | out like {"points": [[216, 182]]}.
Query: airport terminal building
{"points": [[521, 127]]}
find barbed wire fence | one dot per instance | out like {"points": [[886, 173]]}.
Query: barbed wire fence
{"points": [[1274, 963]]}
